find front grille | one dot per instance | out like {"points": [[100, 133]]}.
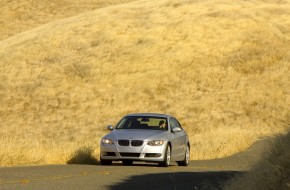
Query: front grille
{"points": [[123, 142], [136, 143], [128, 154]]}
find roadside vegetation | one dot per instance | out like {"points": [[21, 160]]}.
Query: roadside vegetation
{"points": [[271, 172], [220, 66]]}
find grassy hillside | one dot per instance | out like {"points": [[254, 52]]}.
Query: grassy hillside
{"points": [[220, 66], [22, 15]]}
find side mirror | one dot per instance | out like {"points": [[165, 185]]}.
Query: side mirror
{"points": [[176, 129], [110, 127]]}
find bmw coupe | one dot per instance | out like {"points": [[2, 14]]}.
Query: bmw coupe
{"points": [[147, 137]]}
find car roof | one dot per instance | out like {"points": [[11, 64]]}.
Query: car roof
{"points": [[149, 114]]}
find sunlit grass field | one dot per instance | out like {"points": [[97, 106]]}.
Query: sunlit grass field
{"points": [[23, 15], [220, 66]]}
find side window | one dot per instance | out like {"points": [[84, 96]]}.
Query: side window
{"points": [[177, 123], [172, 123]]}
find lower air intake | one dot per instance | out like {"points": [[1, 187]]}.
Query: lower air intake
{"points": [[127, 154]]}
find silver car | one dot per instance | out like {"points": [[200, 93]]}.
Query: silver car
{"points": [[146, 137]]}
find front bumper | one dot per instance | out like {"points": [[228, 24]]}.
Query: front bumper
{"points": [[115, 152]]}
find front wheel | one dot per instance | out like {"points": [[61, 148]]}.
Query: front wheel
{"points": [[185, 161], [167, 157]]}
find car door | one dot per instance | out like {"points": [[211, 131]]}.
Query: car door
{"points": [[178, 139]]}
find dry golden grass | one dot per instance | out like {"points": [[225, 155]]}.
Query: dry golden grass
{"points": [[271, 172], [221, 67], [22, 15]]}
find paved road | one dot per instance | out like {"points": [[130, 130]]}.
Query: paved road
{"points": [[206, 174]]}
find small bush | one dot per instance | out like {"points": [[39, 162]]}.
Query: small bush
{"points": [[83, 155]]}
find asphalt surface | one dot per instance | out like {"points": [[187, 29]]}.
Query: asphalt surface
{"points": [[199, 175]]}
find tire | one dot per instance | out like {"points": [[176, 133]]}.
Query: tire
{"points": [[167, 157], [185, 161], [106, 162], [127, 162]]}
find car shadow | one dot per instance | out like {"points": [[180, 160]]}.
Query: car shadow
{"points": [[177, 180], [135, 164]]}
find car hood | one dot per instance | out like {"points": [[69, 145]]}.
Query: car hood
{"points": [[138, 134]]}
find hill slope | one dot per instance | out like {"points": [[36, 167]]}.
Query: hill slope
{"points": [[221, 67], [23, 15]]}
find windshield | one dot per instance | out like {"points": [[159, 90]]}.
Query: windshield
{"points": [[143, 122]]}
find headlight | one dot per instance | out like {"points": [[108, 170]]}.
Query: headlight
{"points": [[156, 143], [107, 141]]}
